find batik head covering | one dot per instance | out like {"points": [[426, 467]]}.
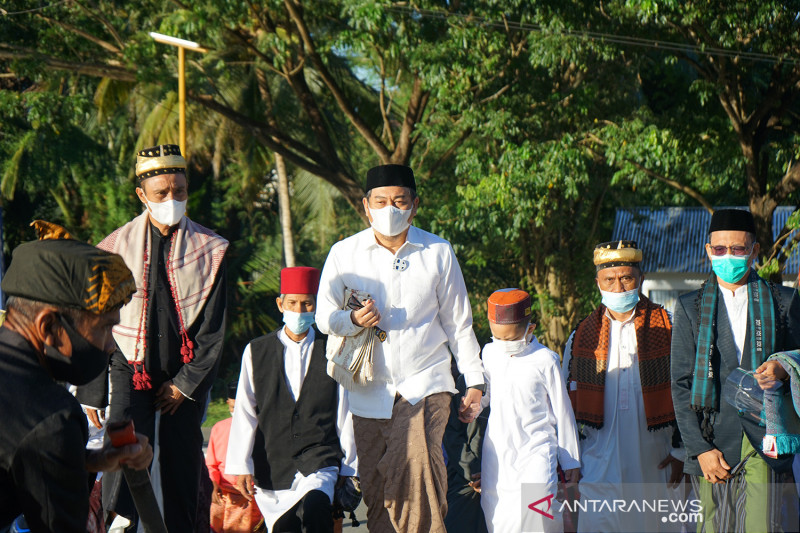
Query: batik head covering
{"points": [[616, 253], [509, 306], [157, 160], [64, 272]]}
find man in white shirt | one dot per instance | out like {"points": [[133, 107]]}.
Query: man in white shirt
{"points": [[290, 436], [736, 320], [616, 363], [418, 297]]}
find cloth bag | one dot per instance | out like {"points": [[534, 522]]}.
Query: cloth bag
{"points": [[350, 358]]}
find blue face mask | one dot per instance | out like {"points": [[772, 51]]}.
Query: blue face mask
{"points": [[621, 302], [298, 323], [730, 268]]}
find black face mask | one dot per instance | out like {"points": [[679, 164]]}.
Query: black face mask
{"points": [[86, 363]]}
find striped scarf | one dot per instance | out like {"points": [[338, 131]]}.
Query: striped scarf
{"points": [[589, 365], [761, 310], [195, 259], [782, 409]]}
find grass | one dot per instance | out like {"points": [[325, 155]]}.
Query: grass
{"points": [[217, 410]]}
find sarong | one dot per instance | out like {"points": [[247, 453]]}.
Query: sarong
{"points": [[401, 466]]}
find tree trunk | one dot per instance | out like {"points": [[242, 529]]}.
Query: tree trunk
{"points": [[285, 210]]}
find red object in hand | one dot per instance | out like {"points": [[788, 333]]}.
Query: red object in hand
{"points": [[121, 433]]}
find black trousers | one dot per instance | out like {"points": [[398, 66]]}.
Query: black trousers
{"points": [[312, 514], [180, 447]]}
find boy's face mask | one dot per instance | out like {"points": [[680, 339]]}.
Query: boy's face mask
{"points": [[514, 347]]}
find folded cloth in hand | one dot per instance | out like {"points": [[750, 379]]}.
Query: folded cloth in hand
{"points": [[782, 414], [350, 358]]}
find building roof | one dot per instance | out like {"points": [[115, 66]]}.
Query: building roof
{"points": [[672, 239]]}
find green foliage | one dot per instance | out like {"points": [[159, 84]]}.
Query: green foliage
{"points": [[527, 123], [217, 411]]}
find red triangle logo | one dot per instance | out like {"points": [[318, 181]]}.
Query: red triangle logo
{"points": [[549, 499]]}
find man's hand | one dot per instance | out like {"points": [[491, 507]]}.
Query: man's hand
{"points": [[470, 405], [216, 494], [108, 459], [367, 316], [676, 475], [246, 486], [476, 482], [714, 467], [169, 398], [96, 417], [572, 477], [770, 375]]}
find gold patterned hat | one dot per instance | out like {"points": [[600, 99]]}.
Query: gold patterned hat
{"points": [[616, 253], [65, 272], [161, 159]]}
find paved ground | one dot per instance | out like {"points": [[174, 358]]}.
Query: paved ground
{"points": [[361, 512]]}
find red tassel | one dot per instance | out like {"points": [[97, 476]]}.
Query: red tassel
{"points": [[187, 351], [141, 379]]}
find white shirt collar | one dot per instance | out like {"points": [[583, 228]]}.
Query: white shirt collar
{"points": [[629, 319], [412, 238], [740, 292]]}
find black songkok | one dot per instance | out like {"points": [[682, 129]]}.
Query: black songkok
{"points": [[232, 386], [616, 253], [732, 220], [391, 176], [69, 273]]}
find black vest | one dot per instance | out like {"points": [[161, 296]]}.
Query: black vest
{"points": [[292, 436]]}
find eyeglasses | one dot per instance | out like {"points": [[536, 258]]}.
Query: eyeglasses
{"points": [[735, 250]]}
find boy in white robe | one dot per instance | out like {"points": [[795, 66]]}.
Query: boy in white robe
{"points": [[531, 428]]}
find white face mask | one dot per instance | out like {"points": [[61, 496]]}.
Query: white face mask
{"points": [[168, 213], [390, 221], [511, 348]]}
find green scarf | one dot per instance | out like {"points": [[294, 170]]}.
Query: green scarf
{"points": [[761, 319]]}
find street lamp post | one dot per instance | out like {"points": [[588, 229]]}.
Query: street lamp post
{"points": [[182, 45]]}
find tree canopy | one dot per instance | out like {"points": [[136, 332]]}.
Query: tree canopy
{"points": [[527, 124]]}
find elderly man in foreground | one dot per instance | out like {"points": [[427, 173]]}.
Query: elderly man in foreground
{"points": [[64, 297]]}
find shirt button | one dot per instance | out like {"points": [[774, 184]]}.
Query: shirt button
{"points": [[160, 335], [296, 435]]}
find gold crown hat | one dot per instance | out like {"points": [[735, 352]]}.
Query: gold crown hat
{"points": [[161, 159], [616, 253]]}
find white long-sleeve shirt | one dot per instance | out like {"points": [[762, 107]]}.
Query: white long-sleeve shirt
{"points": [[623, 453], [425, 310], [274, 503]]}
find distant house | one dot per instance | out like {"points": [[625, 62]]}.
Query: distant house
{"points": [[673, 242]]}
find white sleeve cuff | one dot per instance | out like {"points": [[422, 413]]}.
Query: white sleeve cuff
{"points": [[679, 454], [473, 378]]}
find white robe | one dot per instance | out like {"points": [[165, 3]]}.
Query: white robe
{"points": [[275, 503], [623, 451], [531, 428]]}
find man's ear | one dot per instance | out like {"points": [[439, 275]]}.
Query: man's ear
{"points": [[414, 208], [49, 330], [140, 194], [365, 203], [279, 302]]}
